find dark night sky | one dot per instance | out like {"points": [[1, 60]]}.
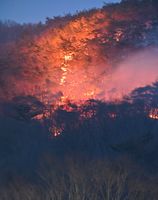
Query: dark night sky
{"points": [[24, 11]]}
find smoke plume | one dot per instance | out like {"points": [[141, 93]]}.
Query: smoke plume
{"points": [[138, 70]]}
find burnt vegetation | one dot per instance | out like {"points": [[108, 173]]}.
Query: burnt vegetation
{"points": [[52, 149]]}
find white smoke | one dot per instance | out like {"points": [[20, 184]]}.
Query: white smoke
{"points": [[138, 70]]}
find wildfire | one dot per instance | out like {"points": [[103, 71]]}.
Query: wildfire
{"points": [[90, 94], [68, 57], [153, 114], [64, 74], [112, 115], [64, 68], [63, 79], [55, 131], [39, 117], [87, 114], [118, 35]]}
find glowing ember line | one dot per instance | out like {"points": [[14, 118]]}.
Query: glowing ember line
{"points": [[153, 114], [64, 74]]}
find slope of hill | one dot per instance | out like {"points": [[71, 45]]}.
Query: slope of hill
{"points": [[71, 51]]}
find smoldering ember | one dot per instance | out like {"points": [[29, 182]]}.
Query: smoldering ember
{"points": [[79, 105]]}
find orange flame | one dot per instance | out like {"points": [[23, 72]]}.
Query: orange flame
{"points": [[153, 114]]}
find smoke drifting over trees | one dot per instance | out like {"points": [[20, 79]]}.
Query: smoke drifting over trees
{"points": [[138, 70]]}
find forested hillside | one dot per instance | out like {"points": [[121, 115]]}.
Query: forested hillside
{"points": [[66, 52]]}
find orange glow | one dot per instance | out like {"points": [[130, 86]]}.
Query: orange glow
{"points": [[55, 131], [77, 60], [90, 94], [154, 114], [39, 117], [87, 114], [118, 35]]}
